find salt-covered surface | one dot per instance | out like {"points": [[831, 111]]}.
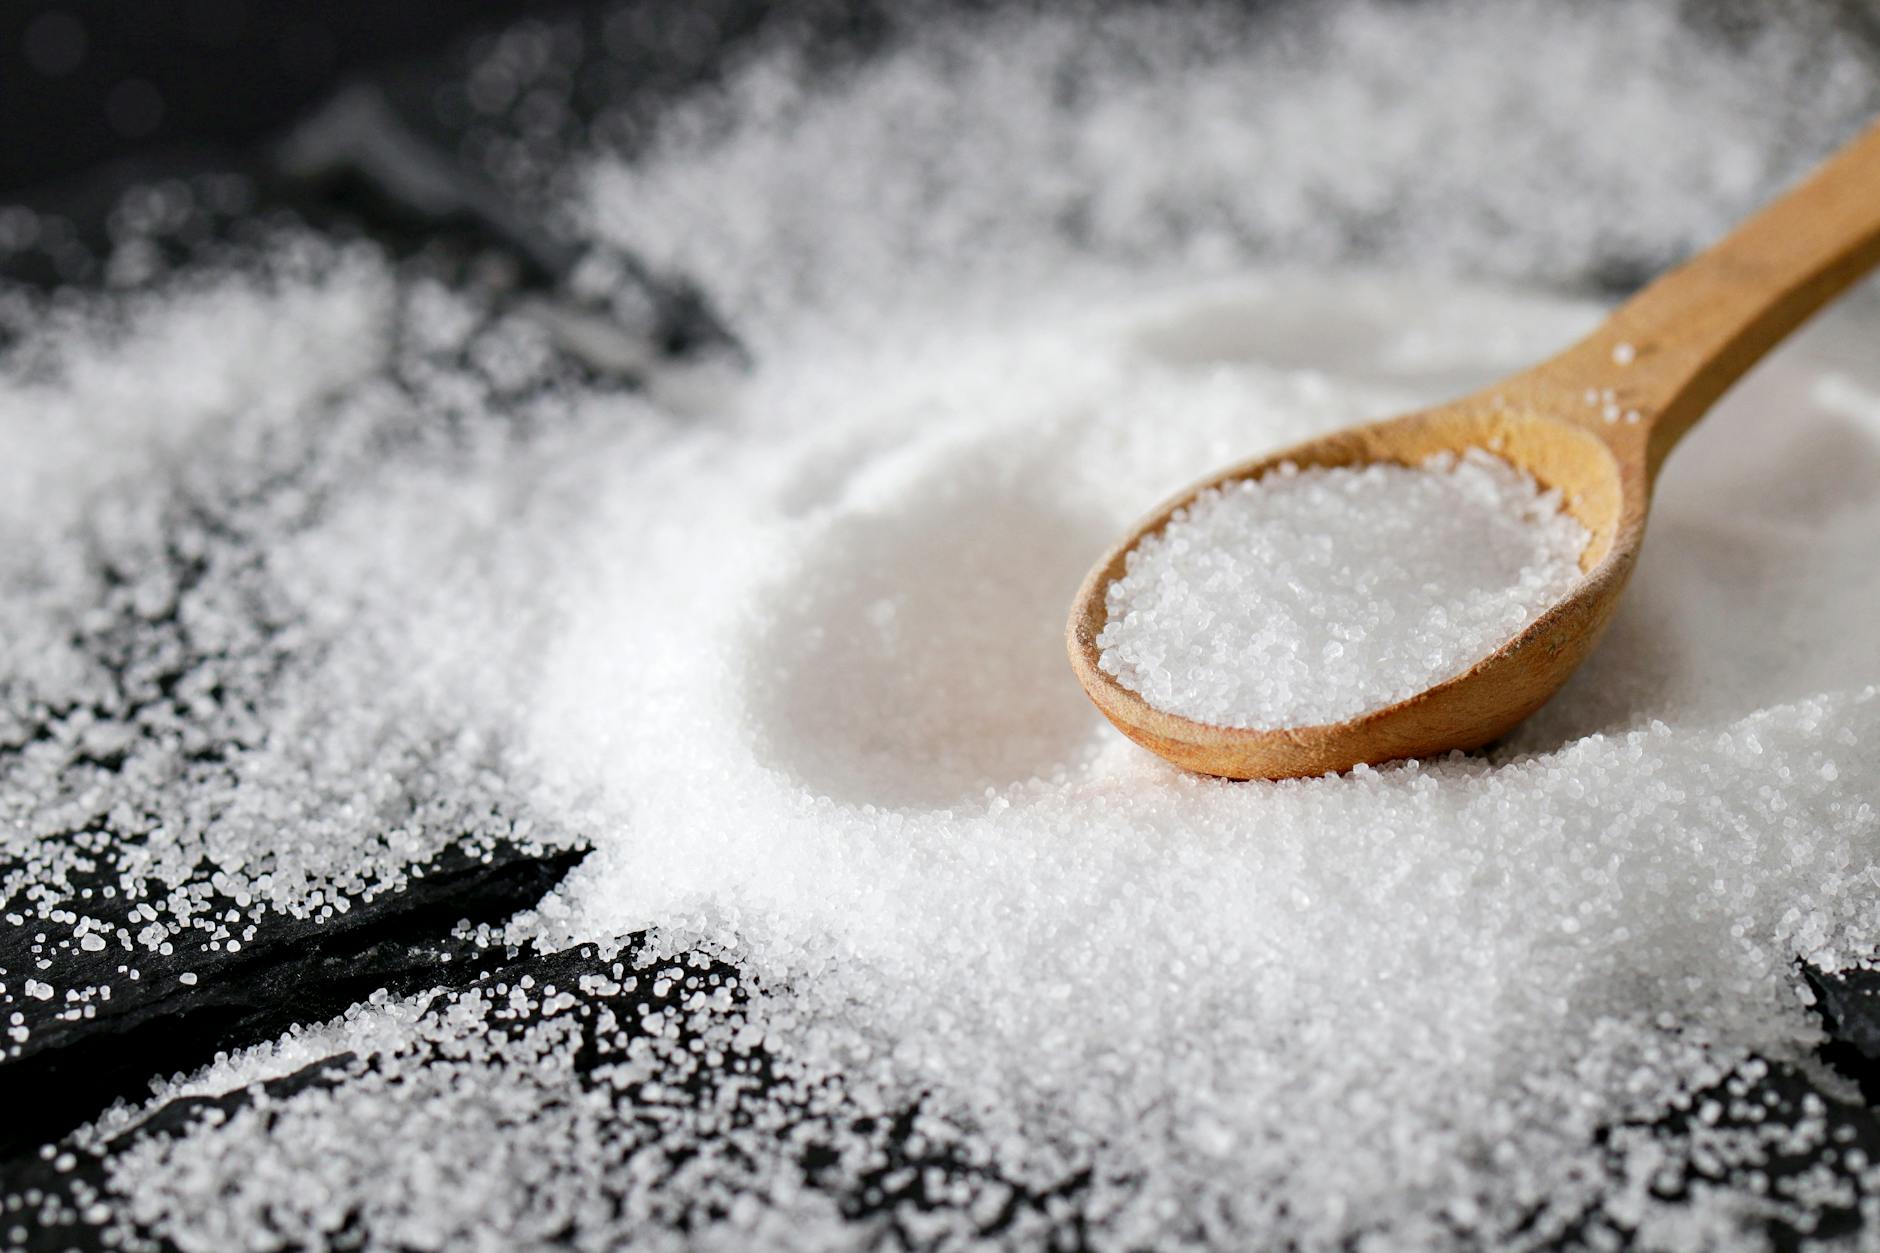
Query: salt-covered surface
{"points": [[1291, 1008], [921, 950], [1313, 596]]}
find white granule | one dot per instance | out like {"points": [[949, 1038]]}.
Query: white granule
{"points": [[1313, 596], [825, 726], [793, 663]]}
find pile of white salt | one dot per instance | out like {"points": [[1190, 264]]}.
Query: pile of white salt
{"points": [[856, 760], [1313, 596], [790, 656]]}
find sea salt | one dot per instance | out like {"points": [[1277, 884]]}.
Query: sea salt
{"points": [[789, 653], [1374, 986], [1313, 596]]}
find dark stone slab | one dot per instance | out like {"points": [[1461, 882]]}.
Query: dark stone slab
{"points": [[297, 971]]}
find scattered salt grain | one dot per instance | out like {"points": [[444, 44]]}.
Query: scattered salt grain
{"points": [[1313, 596], [797, 671]]}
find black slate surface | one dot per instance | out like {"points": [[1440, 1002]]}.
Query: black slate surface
{"points": [[52, 1188], [297, 971], [409, 941]]}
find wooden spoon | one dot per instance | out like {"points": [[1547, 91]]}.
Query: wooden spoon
{"points": [[1596, 422]]}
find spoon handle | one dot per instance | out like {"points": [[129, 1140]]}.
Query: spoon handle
{"points": [[1668, 353]]}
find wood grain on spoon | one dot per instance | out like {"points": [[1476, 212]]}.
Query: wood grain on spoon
{"points": [[1666, 355]]}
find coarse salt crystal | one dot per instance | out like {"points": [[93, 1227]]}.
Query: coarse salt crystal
{"points": [[1315, 596]]}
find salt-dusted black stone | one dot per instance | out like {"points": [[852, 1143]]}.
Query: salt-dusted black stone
{"points": [[123, 1012], [1807, 1139], [1757, 1098], [405, 940], [296, 970], [1849, 1001], [1849, 1004], [48, 1194], [48, 1201]]}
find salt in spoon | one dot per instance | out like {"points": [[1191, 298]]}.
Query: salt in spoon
{"points": [[1595, 422]]}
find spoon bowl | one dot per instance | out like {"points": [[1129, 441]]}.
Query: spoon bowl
{"points": [[1594, 423], [1466, 711]]}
